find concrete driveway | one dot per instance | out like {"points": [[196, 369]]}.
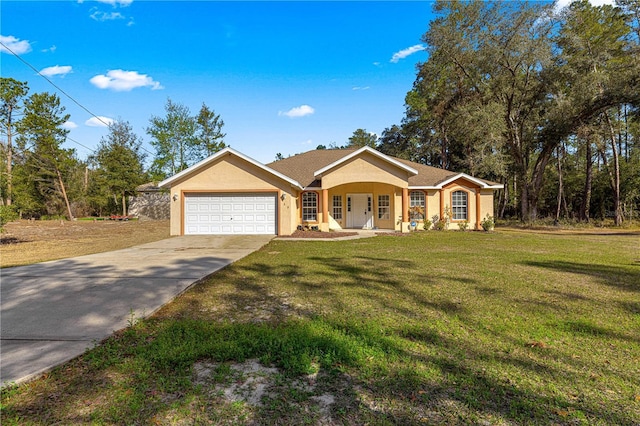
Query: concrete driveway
{"points": [[54, 311]]}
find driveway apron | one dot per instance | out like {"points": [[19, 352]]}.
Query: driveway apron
{"points": [[52, 312]]}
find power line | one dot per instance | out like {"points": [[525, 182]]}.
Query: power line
{"points": [[78, 143], [66, 94], [53, 84]]}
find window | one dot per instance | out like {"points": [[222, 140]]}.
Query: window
{"points": [[337, 207], [417, 205], [459, 205], [309, 207], [383, 207]]}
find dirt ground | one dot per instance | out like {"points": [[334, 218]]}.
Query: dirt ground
{"points": [[25, 242]]}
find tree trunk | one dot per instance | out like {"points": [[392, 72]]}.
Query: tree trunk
{"points": [[64, 194], [444, 149], [585, 207], [9, 158], [560, 185], [615, 175], [124, 204]]}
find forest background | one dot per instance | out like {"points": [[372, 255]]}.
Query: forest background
{"points": [[546, 103]]}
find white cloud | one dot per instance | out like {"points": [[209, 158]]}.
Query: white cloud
{"points": [[406, 52], [115, 3], [300, 111], [52, 49], [56, 70], [69, 125], [124, 81], [360, 88], [561, 4], [99, 121], [101, 16], [17, 46]]}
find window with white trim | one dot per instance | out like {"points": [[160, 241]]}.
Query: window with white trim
{"points": [[459, 205], [309, 207], [384, 207], [417, 206], [337, 207]]}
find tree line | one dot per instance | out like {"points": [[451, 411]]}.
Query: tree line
{"points": [[39, 177], [546, 103]]}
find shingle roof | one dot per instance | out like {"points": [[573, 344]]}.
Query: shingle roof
{"points": [[301, 168]]}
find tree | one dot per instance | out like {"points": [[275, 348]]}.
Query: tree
{"points": [[40, 136], [595, 50], [11, 93], [362, 138], [498, 95], [119, 160], [180, 139], [173, 137], [209, 135]]}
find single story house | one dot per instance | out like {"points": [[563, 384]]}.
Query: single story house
{"points": [[231, 193]]}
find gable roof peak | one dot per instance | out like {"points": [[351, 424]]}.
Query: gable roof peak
{"points": [[356, 153], [228, 150]]}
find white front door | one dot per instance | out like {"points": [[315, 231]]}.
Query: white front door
{"points": [[360, 211]]}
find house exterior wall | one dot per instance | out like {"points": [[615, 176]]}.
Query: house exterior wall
{"points": [[471, 190], [433, 203], [365, 168], [486, 203], [231, 174]]}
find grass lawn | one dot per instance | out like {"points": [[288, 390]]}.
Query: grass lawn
{"points": [[511, 327], [25, 242]]}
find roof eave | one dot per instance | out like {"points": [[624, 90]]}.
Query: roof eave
{"points": [[479, 182], [320, 172], [186, 172]]}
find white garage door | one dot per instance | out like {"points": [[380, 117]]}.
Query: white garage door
{"points": [[230, 214]]}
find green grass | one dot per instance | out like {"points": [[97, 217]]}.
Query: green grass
{"points": [[510, 327]]}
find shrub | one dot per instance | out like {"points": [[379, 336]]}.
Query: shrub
{"points": [[464, 225], [427, 224], [7, 214], [488, 223]]}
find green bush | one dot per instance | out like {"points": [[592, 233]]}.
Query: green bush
{"points": [[488, 223], [7, 214]]}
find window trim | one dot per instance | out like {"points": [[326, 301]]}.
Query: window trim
{"points": [[466, 205], [303, 207], [384, 211], [337, 208], [412, 206]]}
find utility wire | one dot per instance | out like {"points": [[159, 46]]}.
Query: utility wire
{"points": [[53, 84], [78, 143], [66, 94]]}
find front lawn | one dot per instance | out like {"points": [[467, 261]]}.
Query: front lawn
{"points": [[511, 327]]}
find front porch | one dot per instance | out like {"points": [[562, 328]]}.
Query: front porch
{"points": [[361, 206]]}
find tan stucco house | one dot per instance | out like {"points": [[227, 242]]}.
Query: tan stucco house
{"points": [[230, 193]]}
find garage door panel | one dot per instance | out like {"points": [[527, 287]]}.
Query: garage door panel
{"points": [[230, 214]]}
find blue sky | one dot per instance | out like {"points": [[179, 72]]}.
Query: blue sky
{"points": [[284, 76]]}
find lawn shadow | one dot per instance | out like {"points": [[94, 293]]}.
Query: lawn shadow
{"points": [[618, 277]]}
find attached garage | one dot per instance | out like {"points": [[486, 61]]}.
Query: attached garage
{"points": [[230, 213]]}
